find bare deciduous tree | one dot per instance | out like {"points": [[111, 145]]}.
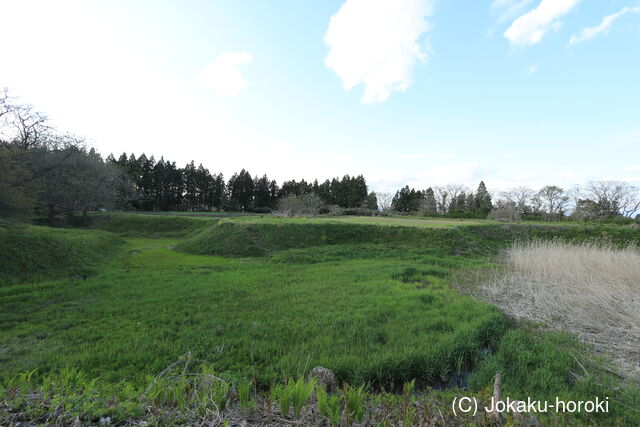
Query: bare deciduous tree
{"points": [[614, 197], [20, 125], [520, 197], [445, 195], [307, 204], [384, 200], [553, 199]]}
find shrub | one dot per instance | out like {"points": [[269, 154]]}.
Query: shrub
{"points": [[307, 204], [507, 213]]}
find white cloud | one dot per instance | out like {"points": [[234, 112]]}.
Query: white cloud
{"points": [[532, 69], [607, 21], [223, 76], [378, 43], [528, 29], [509, 9]]}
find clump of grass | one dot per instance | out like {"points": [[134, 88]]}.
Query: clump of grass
{"points": [[301, 392], [244, 395], [200, 391], [294, 394], [354, 403], [282, 395], [69, 393], [591, 289], [329, 406]]}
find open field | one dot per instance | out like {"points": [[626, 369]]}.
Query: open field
{"points": [[376, 304]]}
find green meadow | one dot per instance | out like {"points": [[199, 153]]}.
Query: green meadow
{"points": [[379, 301]]}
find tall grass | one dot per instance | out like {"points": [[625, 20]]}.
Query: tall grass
{"points": [[592, 289]]}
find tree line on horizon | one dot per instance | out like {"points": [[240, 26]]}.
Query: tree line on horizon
{"points": [[161, 185], [47, 173]]}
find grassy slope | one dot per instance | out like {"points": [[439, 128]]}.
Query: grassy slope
{"points": [[370, 302], [29, 252], [152, 226], [255, 237]]}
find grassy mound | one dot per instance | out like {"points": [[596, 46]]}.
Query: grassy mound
{"points": [[153, 226], [506, 234], [31, 252], [260, 238]]}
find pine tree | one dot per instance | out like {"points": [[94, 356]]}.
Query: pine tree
{"points": [[241, 191], [261, 192], [430, 205], [482, 200]]}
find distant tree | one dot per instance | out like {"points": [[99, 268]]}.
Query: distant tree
{"points": [[241, 191], [429, 206], [273, 194], [586, 210], [508, 212], [17, 195], [261, 192], [614, 198], [289, 188], [356, 191], [553, 200], [190, 180], [407, 200], [458, 205], [521, 197], [482, 200], [384, 200], [21, 126], [307, 204], [338, 192], [371, 202], [76, 179], [218, 195], [324, 191], [444, 196]]}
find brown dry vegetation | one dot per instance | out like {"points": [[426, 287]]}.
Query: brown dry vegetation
{"points": [[589, 289]]}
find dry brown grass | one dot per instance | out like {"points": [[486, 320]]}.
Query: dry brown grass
{"points": [[589, 289]]}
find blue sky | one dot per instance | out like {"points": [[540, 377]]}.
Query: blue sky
{"points": [[418, 92]]}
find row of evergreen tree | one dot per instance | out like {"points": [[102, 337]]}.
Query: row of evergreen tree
{"points": [[451, 201], [161, 185]]}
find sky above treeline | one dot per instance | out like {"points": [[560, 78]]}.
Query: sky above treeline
{"points": [[417, 92]]}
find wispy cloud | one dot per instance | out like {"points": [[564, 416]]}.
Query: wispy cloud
{"points": [[377, 43], [532, 69], [423, 156], [509, 9], [528, 29], [223, 76], [591, 32]]}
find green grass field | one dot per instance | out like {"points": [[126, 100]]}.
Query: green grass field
{"points": [[266, 299]]}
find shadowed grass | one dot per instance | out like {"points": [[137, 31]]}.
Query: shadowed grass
{"points": [[31, 252]]}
